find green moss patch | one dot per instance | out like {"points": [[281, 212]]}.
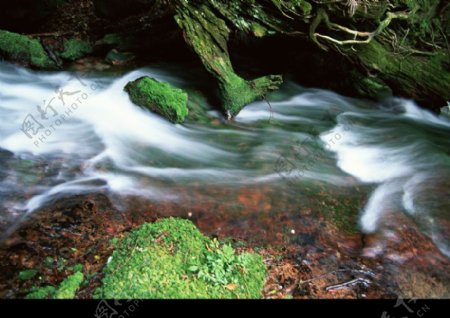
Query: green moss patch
{"points": [[415, 76], [41, 293], [172, 259], [67, 289], [75, 49], [161, 98], [23, 49]]}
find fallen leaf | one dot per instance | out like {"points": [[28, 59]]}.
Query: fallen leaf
{"points": [[231, 286]]}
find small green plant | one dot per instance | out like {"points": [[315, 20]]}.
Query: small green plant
{"points": [[219, 264], [27, 274]]}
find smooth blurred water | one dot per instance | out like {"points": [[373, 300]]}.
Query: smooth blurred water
{"points": [[97, 140]]}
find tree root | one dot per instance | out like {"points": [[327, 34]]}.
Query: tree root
{"points": [[359, 37]]}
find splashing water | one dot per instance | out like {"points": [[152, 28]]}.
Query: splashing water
{"points": [[100, 141]]}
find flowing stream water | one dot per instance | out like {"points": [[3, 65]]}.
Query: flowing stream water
{"points": [[87, 137]]}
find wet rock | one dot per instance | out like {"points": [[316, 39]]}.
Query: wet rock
{"points": [[5, 155], [115, 57], [445, 111], [161, 98], [120, 42]]}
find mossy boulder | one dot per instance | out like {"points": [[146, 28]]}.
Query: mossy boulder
{"points": [[22, 49], [171, 259], [75, 49], [161, 98]]}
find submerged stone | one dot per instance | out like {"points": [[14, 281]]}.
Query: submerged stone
{"points": [[445, 111], [115, 57], [121, 42], [161, 98], [172, 259]]}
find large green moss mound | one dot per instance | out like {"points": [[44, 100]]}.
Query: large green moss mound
{"points": [[162, 98], [21, 48], [172, 259]]}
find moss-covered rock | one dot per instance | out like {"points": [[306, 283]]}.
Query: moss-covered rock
{"points": [[162, 98], [22, 49], [75, 49], [171, 259], [67, 289]]}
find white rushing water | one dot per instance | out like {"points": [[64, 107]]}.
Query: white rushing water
{"points": [[407, 156], [87, 136]]}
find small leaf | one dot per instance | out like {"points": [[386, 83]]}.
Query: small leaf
{"points": [[193, 268]]}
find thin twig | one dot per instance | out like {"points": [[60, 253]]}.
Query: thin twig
{"points": [[270, 108], [349, 283], [338, 271]]}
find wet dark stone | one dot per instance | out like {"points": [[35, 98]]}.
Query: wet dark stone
{"points": [[5, 156], [305, 239]]}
